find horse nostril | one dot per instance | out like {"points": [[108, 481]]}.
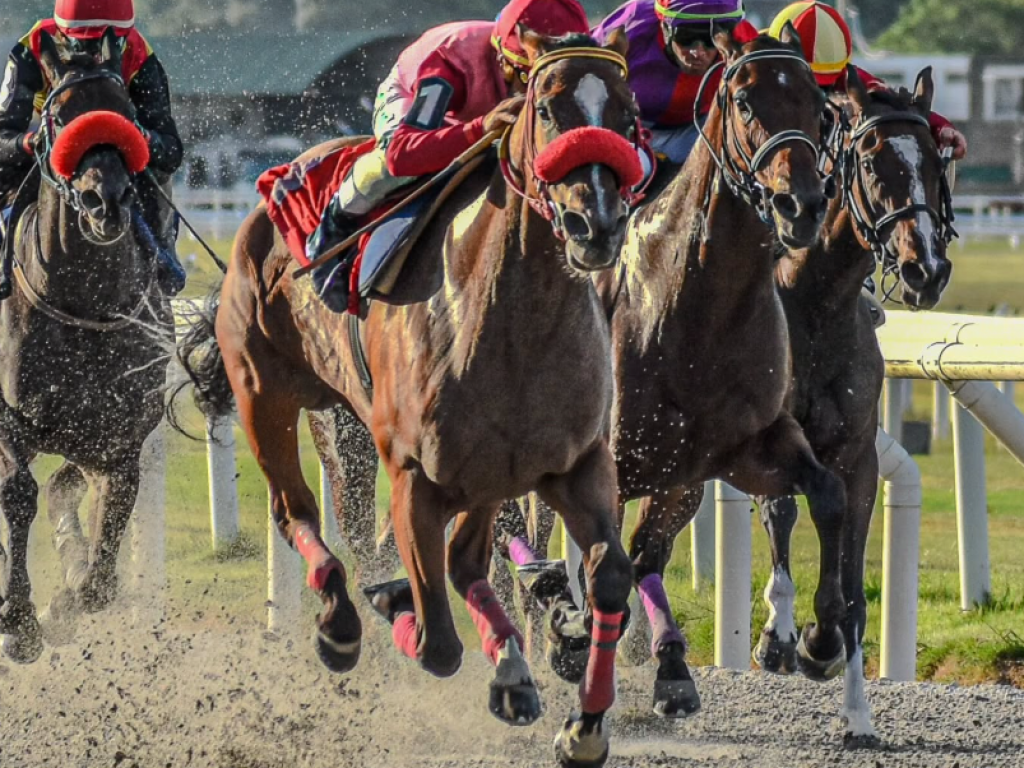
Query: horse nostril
{"points": [[914, 274], [785, 205], [93, 203], [577, 226]]}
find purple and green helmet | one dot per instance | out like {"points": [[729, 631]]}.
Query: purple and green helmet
{"points": [[677, 13]]}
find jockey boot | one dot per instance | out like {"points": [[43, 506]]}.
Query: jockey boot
{"points": [[170, 275], [391, 598], [331, 279]]}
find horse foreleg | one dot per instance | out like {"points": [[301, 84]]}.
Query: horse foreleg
{"points": [[776, 650], [64, 491], [417, 608], [778, 462], [22, 641], [663, 516], [513, 694], [861, 479], [114, 491], [587, 499]]}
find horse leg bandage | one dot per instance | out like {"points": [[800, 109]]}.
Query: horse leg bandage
{"points": [[321, 562], [405, 635], [597, 689], [489, 617], [663, 628], [521, 552]]}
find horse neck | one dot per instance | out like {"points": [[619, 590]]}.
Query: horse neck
{"points": [[73, 273], [822, 283]]}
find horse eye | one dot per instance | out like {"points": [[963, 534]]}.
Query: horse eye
{"points": [[744, 107], [544, 114]]}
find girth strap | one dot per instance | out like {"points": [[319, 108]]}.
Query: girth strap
{"points": [[359, 355]]}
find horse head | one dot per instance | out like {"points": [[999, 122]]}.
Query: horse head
{"points": [[895, 186], [578, 135], [767, 130], [92, 144]]}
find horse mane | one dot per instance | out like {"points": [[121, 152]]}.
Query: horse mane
{"points": [[572, 40], [900, 99]]}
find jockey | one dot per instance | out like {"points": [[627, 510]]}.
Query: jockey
{"points": [[453, 85], [671, 47], [77, 27], [828, 46]]}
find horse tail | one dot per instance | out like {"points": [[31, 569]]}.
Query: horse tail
{"points": [[200, 358]]}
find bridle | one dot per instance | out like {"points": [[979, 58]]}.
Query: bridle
{"points": [[870, 225], [543, 204], [50, 123], [741, 177]]}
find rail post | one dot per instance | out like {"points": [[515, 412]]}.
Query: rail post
{"points": [[148, 530], [223, 482], [971, 508], [702, 540], [732, 577]]}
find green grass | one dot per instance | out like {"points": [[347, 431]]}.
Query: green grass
{"points": [[983, 645]]}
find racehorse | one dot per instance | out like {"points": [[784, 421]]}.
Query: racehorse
{"points": [[499, 382], [895, 209], [81, 369]]}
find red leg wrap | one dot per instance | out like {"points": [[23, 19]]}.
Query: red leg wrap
{"points": [[492, 624], [321, 562], [404, 634], [597, 689]]}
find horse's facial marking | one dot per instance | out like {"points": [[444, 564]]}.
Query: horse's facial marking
{"points": [[909, 151], [783, 80], [591, 96]]}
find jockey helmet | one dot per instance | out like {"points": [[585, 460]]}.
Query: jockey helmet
{"points": [[824, 35], [554, 18], [688, 22], [89, 19]]}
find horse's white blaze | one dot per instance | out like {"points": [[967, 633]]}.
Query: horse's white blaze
{"points": [[591, 95], [856, 711], [779, 596], [783, 80], [909, 151]]}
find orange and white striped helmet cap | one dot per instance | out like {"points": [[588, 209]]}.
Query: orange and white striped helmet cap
{"points": [[825, 36]]}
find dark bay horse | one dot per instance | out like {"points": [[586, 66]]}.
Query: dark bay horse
{"points": [[81, 371], [894, 209], [497, 382]]}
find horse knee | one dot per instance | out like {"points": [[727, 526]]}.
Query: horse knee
{"points": [[18, 493], [826, 495], [612, 578]]}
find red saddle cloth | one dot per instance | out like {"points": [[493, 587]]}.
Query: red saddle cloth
{"points": [[297, 193]]}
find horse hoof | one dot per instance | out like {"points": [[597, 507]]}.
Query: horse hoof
{"points": [[337, 656], [815, 669], [775, 656], [26, 646], [56, 630], [390, 598], [568, 642], [575, 747], [676, 698], [545, 580], [513, 696], [854, 741]]}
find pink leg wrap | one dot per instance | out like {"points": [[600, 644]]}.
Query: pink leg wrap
{"points": [[490, 620], [404, 634], [321, 562], [663, 626], [597, 689], [521, 552]]}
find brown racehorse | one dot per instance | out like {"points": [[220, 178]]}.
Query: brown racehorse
{"points": [[80, 373], [498, 382], [895, 210]]}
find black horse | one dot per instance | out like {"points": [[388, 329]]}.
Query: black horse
{"points": [[81, 371]]}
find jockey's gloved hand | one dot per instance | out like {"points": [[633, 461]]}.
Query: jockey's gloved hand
{"points": [[505, 114], [952, 138]]}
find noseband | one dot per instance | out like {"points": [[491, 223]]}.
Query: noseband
{"points": [[870, 225], [742, 181], [543, 204]]}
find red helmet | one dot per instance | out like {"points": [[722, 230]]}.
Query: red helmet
{"points": [[86, 19], [547, 17]]}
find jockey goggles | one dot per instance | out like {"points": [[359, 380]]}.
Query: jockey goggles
{"points": [[688, 36]]}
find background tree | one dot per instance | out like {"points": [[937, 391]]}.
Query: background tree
{"points": [[958, 26]]}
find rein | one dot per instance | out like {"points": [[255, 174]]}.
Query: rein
{"points": [[741, 181], [543, 204], [870, 225]]}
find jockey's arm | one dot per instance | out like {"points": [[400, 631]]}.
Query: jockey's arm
{"points": [[945, 133], [152, 98], [22, 79], [423, 144]]}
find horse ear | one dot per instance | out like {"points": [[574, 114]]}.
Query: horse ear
{"points": [[924, 91], [789, 36], [726, 43], [49, 58], [856, 89], [618, 41], [110, 51], [534, 43]]}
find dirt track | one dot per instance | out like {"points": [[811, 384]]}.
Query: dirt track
{"points": [[128, 697]]}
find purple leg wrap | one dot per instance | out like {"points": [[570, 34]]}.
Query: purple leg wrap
{"points": [[521, 552], [663, 626]]}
